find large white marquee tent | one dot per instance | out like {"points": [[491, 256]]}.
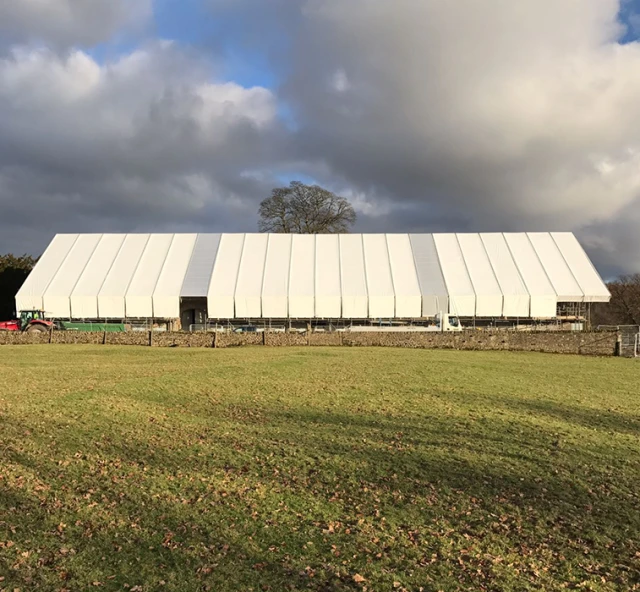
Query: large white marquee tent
{"points": [[278, 276]]}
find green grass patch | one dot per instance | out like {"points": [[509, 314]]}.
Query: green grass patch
{"points": [[317, 469]]}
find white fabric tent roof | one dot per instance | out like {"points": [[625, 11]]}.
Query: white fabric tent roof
{"points": [[381, 294], [31, 294], [113, 293], [83, 300], [355, 299], [543, 298], [405, 277], [275, 284], [435, 296], [328, 282], [166, 295], [581, 267], [302, 280], [516, 298], [462, 296], [57, 295], [224, 277], [248, 295], [139, 297], [116, 276], [489, 298]]}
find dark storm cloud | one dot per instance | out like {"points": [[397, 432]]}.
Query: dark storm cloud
{"points": [[428, 115], [147, 142], [471, 116], [65, 23]]}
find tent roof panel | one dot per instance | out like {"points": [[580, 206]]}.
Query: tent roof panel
{"points": [[378, 273], [462, 296], [203, 258], [583, 270], [57, 296], [529, 266], [328, 283], [355, 299], [275, 288], [84, 298], [435, 296], [517, 301], [139, 296], [111, 298], [302, 278], [556, 268], [222, 288], [405, 278], [481, 273], [166, 296], [30, 295], [248, 294], [544, 301]]}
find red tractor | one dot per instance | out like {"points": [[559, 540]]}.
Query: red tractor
{"points": [[31, 321]]}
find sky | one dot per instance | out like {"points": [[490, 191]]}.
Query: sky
{"points": [[430, 116]]}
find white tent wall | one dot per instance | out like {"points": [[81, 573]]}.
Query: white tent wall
{"points": [[84, 298], [139, 296], [583, 270], [558, 272], [328, 284], [200, 269], [517, 300], [222, 287], [302, 277], [116, 276], [30, 295], [544, 301], [489, 297], [166, 295], [111, 298], [275, 287], [248, 297], [435, 296], [382, 302], [355, 300], [462, 297], [57, 297], [405, 278]]}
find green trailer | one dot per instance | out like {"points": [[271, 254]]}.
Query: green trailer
{"points": [[93, 327]]}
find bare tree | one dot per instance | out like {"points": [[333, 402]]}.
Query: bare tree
{"points": [[305, 209], [624, 308], [625, 299]]}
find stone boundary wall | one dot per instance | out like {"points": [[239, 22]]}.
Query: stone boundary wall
{"points": [[597, 344]]}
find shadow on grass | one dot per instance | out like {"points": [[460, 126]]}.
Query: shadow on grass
{"points": [[601, 419], [468, 477]]}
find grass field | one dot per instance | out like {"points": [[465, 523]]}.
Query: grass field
{"points": [[317, 469]]}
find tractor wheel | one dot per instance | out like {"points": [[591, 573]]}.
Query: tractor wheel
{"points": [[37, 329]]}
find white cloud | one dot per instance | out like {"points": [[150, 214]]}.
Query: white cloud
{"points": [[513, 115], [148, 139], [433, 115], [66, 23], [340, 81]]}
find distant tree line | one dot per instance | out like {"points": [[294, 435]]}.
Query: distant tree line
{"points": [[13, 271], [624, 308]]}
